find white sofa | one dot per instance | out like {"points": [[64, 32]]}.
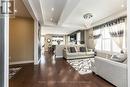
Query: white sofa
{"points": [[114, 72], [77, 54]]}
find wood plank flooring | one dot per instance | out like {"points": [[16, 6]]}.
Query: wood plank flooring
{"points": [[54, 73]]}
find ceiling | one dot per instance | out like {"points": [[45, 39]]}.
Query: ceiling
{"points": [[101, 9], [21, 10], [67, 15], [52, 10]]}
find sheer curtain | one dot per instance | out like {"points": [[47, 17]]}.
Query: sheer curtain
{"points": [[117, 33], [96, 38]]}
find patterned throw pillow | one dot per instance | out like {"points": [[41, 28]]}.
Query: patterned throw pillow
{"points": [[72, 50], [119, 58], [82, 49]]}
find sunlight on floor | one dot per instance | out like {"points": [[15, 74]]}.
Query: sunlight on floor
{"points": [[53, 60], [42, 59]]}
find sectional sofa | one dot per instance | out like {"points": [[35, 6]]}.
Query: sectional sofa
{"points": [[112, 71]]}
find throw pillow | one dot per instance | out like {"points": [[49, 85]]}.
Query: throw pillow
{"points": [[82, 49], [119, 58], [72, 50], [68, 49]]}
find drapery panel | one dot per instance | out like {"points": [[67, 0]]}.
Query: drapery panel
{"points": [[117, 33], [96, 35], [116, 30]]}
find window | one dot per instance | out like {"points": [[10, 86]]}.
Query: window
{"points": [[106, 42], [97, 42], [106, 39]]}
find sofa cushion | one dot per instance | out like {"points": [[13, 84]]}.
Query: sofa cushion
{"points": [[72, 50], [72, 54], [119, 57], [81, 53], [77, 48], [82, 49], [125, 62]]}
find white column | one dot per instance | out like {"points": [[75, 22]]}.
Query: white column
{"points": [[128, 41], [6, 52], [128, 46], [36, 42], [4, 47]]}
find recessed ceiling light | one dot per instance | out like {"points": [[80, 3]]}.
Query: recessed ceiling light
{"points": [[51, 19], [52, 9], [122, 5], [15, 11]]}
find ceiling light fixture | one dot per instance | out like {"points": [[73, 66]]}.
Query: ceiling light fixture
{"points": [[52, 9], [88, 21], [87, 16]]}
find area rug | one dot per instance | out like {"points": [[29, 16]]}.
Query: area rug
{"points": [[83, 66], [13, 71]]}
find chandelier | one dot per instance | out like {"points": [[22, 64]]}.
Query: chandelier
{"points": [[87, 16]]}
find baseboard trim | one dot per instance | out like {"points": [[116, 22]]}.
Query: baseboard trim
{"points": [[21, 62], [37, 62], [59, 56]]}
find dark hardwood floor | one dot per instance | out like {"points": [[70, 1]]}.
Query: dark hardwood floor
{"points": [[54, 73]]}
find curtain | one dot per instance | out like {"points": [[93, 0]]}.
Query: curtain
{"points": [[96, 35], [116, 29], [117, 33]]}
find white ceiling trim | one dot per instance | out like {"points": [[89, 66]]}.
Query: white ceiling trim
{"points": [[69, 7], [57, 30], [43, 10], [36, 8], [29, 8]]}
